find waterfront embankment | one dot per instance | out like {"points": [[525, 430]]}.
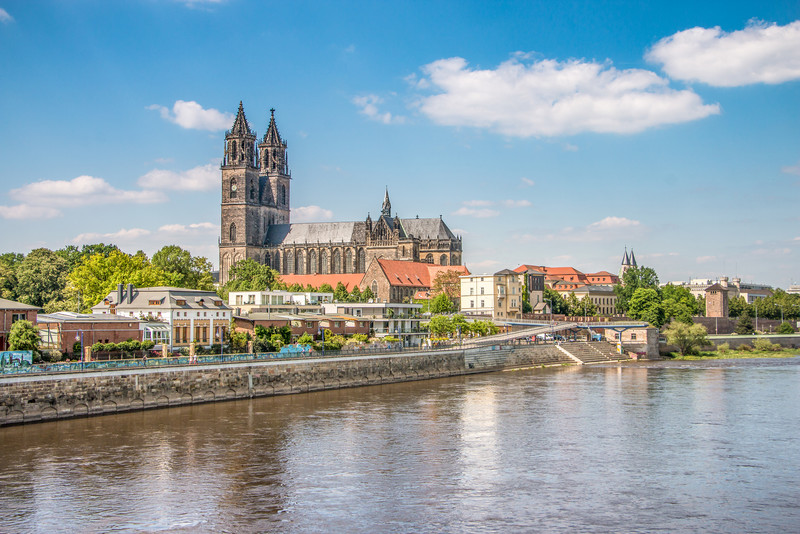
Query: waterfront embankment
{"points": [[33, 398]]}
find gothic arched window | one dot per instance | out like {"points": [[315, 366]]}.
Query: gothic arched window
{"points": [[362, 261], [300, 264], [282, 193], [313, 268], [324, 266], [348, 261], [233, 233], [443, 259], [375, 288], [252, 192], [277, 262], [429, 258], [337, 262], [267, 259], [288, 262]]}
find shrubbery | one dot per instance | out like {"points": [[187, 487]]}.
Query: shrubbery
{"points": [[765, 345], [724, 347]]}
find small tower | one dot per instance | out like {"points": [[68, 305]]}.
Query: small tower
{"points": [[240, 191], [386, 207], [274, 169], [716, 301], [628, 262]]}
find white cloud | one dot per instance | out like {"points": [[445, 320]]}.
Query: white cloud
{"points": [[311, 214], [483, 213], [478, 203], [24, 211], [523, 98], [791, 169], [613, 222], [123, 235], [462, 232], [760, 53], [185, 229], [517, 203], [80, 191], [192, 116], [706, 259], [527, 182], [369, 107], [201, 178], [568, 147], [5, 18]]}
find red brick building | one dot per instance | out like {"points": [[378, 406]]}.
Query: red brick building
{"points": [[10, 313], [61, 330]]}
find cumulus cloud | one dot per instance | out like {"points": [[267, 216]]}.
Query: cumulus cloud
{"points": [[527, 182], [311, 214], [24, 211], [478, 203], [193, 116], [201, 178], [517, 203], [760, 53], [5, 18], [369, 107], [524, 98], [608, 229], [80, 191], [613, 222], [791, 169], [478, 213], [186, 229], [123, 235], [705, 259]]}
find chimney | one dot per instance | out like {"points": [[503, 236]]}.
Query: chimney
{"points": [[119, 294], [130, 293]]}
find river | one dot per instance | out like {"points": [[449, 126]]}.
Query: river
{"points": [[638, 447]]}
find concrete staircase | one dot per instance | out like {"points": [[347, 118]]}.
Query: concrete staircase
{"points": [[592, 352]]}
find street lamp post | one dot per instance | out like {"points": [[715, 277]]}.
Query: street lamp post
{"points": [[79, 336]]}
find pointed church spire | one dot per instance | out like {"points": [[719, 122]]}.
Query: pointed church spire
{"points": [[386, 208], [240, 125], [625, 259], [272, 137], [632, 259]]}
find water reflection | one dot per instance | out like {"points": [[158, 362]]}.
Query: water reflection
{"points": [[671, 446]]}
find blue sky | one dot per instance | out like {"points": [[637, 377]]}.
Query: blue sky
{"points": [[552, 133]]}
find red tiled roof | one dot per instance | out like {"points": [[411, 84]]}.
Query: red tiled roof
{"points": [[415, 274], [316, 280]]}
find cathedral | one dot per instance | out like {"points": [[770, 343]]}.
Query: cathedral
{"points": [[256, 219]]}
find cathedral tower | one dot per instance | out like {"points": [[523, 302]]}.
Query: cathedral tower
{"points": [[274, 170], [241, 233]]}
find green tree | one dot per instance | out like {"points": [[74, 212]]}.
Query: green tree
{"points": [[8, 274], [645, 305], [24, 336], [340, 293], [249, 275], [560, 306], [41, 277], [440, 326], [355, 295], [325, 288], [738, 307], [448, 283], [182, 269], [688, 338], [786, 328], [744, 326], [679, 303], [98, 275], [305, 339], [440, 304], [633, 279], [367, 295]]}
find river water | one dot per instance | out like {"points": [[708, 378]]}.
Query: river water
{"points": [[639, 447]]}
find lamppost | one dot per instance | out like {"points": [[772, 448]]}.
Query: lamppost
{"points": [[79, 337]]}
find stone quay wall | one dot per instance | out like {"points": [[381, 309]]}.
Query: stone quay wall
{"points": [[34, 398]]}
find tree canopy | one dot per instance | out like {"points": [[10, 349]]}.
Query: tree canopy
{"points": [[249, 275], [24, 336], [688, 338], [633, 279], [645, 305]]}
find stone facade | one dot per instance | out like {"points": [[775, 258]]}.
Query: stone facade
{"points": [[716, 301], [255, 219]]}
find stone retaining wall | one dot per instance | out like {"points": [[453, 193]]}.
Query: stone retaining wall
{"points": [[31, 398]]}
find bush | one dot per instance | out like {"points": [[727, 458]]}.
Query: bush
{"points": [[786, 328], [745, 347], [765, 345], [724, 347]]}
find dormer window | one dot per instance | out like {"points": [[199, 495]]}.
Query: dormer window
{"points": [[180, 302], [154, 302]]}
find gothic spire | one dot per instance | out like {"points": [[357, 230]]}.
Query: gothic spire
{"points": [[240, 125], [386, 208], [272, 136], [633, 259], [625, 259]]}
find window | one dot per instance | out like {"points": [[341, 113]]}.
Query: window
{"points": [[180, 302], [17, 317], [481, 303], [471, 303], [481, 291], [633, 337], [233, 233], [471, 290], [154, 302]]}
